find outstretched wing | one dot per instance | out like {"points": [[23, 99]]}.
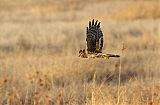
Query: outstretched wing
{"points": [[94, 37]]}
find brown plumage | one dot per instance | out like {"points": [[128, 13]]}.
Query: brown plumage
{"points": [[94, 39]]}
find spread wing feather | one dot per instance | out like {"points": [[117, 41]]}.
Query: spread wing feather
{"points": [[94, 37]]}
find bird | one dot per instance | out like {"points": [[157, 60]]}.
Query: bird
{"points": [[94, 39]]}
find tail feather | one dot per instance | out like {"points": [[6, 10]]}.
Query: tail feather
{"points": [[113, 55]]}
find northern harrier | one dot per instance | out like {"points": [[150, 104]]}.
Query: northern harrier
{"points": [[94, 39]]}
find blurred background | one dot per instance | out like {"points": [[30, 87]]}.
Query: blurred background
{"points": [[59, 26], [40, 41]]}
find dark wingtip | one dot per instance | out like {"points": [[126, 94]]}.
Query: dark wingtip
{"points": [[96, 23], [92, 22], [87, 29], [99, 24], [89, 24]]}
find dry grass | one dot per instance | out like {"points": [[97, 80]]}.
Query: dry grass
{"points": [[139, 10], [39, 44]]}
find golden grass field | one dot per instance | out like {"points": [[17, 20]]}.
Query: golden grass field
{"points": [[39, 44]]}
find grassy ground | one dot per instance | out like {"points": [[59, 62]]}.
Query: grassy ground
{"points": [[39, 44]]}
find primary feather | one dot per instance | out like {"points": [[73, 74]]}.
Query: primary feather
{"points": [[94, 37]]}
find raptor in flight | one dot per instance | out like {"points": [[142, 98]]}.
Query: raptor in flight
{"points": [[94, 39]]}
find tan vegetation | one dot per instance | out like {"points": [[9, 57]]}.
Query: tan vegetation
{"points": [[39, 44]]}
